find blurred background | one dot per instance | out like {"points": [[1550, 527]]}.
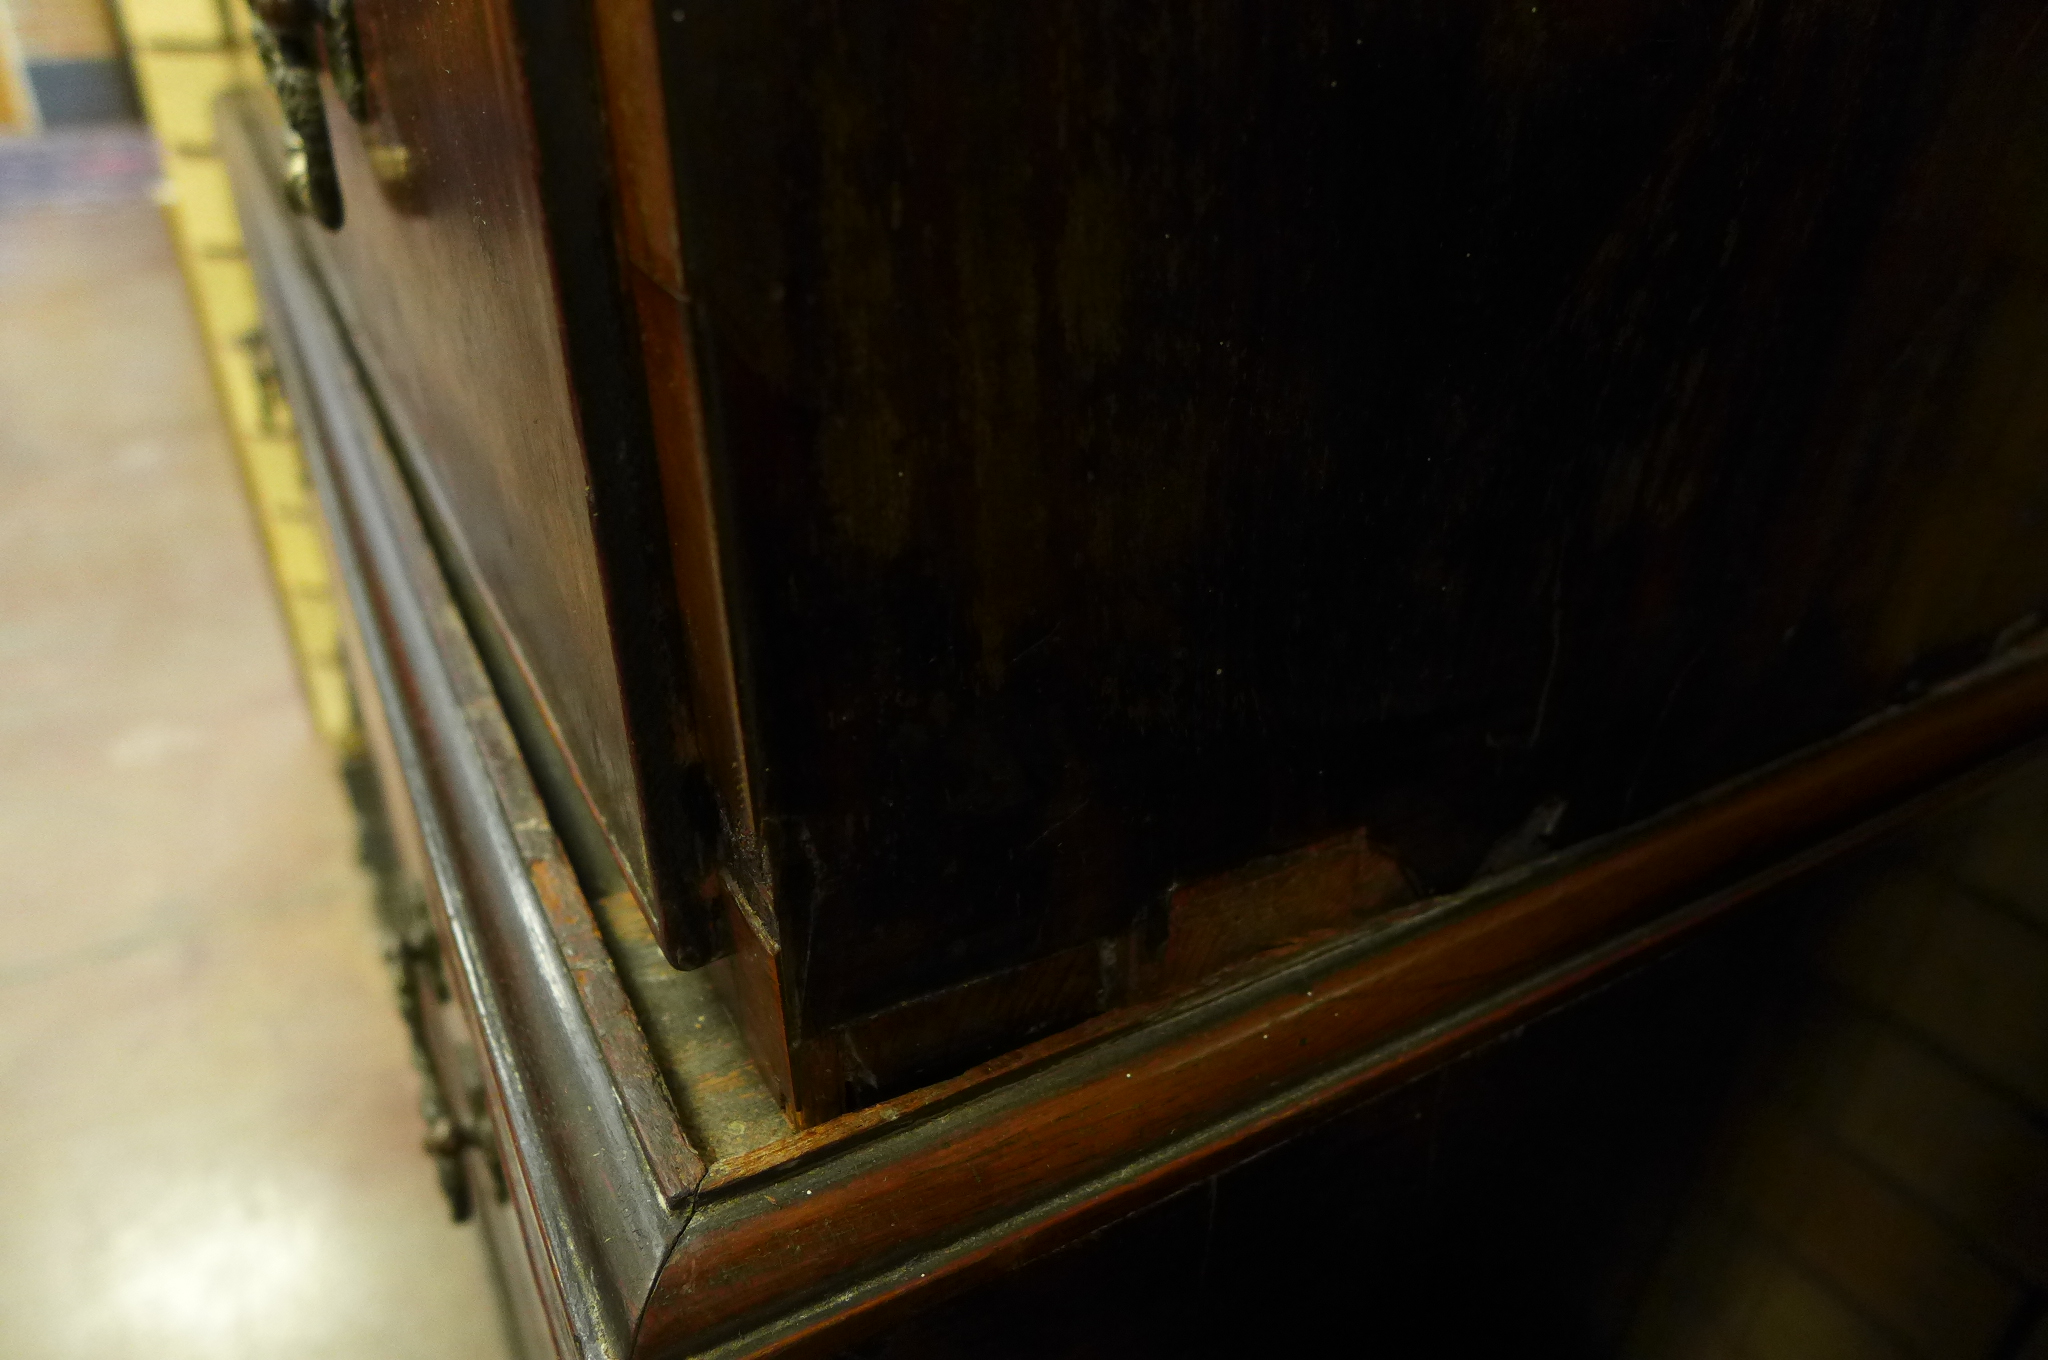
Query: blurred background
{"points": [[209, 1121]]}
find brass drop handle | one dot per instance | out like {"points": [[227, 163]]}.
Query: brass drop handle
{"points": [[448, 1137], [289, 35], [413, 956]]}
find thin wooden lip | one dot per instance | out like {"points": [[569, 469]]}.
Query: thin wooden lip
{"points": [[1724, 802], [842, 1215]]}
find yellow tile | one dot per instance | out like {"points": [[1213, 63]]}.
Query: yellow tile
{"points": [[242, 393], [188, 21], [334, 715], [184, 60], [59, 30], [228, 297], [205, 204], [321, 624], [178, 90], [279, 487], [295, 550]]}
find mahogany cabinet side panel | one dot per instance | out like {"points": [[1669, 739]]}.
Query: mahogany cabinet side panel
{"points": [[1159, 436]]}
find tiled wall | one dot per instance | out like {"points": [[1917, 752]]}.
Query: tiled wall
{"points": [[186, 54]]}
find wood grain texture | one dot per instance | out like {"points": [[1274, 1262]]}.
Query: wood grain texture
{"points": [[678, 429], [1155, 437], [1108, 1124], [478, 276], [650, 1106], [636, 128], [726, 1106], [1508, 1202], [1085, 1131], [449, 297], [751, 978], [954, 481], [943, 1034], [743, 893]]}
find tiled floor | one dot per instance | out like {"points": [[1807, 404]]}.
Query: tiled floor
{"points": [[209, 1145]]}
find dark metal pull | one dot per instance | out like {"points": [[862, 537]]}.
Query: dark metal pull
{"points": [[419, 980], [289, 35], [447, 1139], [444, 1143], [452, 1129], [345, 56], [413, 956], [269, 385]]}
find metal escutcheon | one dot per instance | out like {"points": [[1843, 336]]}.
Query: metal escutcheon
{"points": [[289, 35]]}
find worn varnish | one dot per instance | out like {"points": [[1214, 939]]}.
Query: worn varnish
{"points": [[954, 484], [1120, 1120], [1156, 437]]}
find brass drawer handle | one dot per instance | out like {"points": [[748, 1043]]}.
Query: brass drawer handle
{"points": [[289, 37], [413, 956]]}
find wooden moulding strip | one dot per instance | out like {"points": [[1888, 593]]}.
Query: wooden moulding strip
{"points": [[375, 502], [800, 1258], [635, 1078]]}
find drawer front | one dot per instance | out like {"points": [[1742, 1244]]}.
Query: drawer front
{"points": [[541, 1096], [468, 251]]}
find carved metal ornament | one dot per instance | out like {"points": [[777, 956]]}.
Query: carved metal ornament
{"points": [[289, 36]]}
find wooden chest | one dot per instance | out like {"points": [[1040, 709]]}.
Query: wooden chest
{"points": [[977, 533]]}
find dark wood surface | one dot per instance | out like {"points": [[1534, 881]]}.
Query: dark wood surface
{"points": [[1814, 1127], [882, 1214], [957, 491], [477, 276], [1513, 1201], [1155, 437], [1133, 514]]}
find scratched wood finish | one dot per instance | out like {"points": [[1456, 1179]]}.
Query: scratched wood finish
{"points": [[880, 1212], [953, 481], [1155, 436], [1090, 1132]]}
